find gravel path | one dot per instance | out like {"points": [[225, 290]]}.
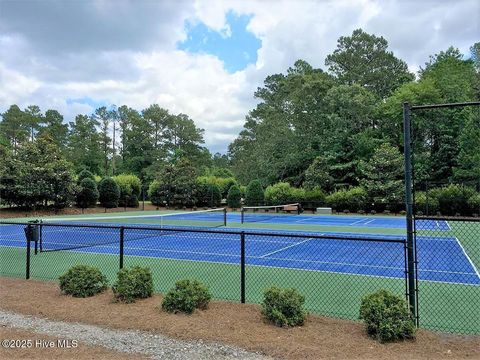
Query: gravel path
{"points": [[128, 341]]}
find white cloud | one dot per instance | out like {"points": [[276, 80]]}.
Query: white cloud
{"points": [[123, 52]]}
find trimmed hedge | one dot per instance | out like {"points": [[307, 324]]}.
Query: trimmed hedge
{"points": [[234, 197], [85, 174], [283, 307], [132, 284], [254, 194], [283, 193], [109, 192], [353, 199], [130, 189], [87, 195], [186, 296], [82, 281], [387, 317]]}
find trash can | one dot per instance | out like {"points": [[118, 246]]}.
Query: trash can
{"points": [[32, 232]]}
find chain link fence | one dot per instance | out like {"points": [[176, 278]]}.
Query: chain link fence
{"points": [[448, 255], [333, 272]]}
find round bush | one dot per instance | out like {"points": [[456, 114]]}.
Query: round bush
{"points": [[88, 194], [109, 192], [130, 189], [387, 317], [156, 193], [283, 307], [254, 194], [186, 296], [83, 281], [133, 283], [85, 174], [234, 197]]}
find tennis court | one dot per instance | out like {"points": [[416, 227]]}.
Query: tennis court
{"points": [[333, 260], [342, 253]]}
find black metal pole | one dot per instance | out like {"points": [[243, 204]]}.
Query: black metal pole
{"points": [[242, 212], [242, 267], [29, 233], [122, 240], [224, 216], [409, 209]]}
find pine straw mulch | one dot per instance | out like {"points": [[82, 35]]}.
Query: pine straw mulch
{"points": [[231, 323]]}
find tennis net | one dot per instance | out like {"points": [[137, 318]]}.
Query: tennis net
{"points": [[74, 233], [266, 213]]}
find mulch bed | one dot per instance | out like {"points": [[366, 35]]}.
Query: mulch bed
{"points": [[231, 323]]}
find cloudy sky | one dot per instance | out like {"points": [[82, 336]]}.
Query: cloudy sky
{"points": [[201, 58]]}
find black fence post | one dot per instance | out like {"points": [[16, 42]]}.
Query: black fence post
{"points": [[28, 233], [242, 216], [409, 208], [122, 240], [224, 216], [242, 267]]}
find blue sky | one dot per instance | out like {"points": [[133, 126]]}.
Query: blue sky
{"points": [[234, 46]]}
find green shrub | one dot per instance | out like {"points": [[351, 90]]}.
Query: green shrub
{"points": [[283, 193], [186, 296], [424, 203], [130, 188], [224, 183], [453, 199], [315, 195], [83, 281], [156, 193], [208, 194], [87, 195], [254, 194], [85, 174], [387, 317], [109, 192], [243, 190], [234, 197], [474, 204], [283, 307], [352, 199], [133, 283]]}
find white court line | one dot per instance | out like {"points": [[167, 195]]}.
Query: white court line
{"points": [[286, 247], [468, 257], [307, 219], [356, 222], [368, 222], [448, 225]]}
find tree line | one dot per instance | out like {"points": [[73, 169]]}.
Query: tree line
{"points": [[337, 132], [110, 141]]}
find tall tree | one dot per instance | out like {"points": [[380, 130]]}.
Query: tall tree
{"points": [[54, 127], [383, 176], [33, 119], [84, 149], [103, 117], [14, 127], [363, 59]]}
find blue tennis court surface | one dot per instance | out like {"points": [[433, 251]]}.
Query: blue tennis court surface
{"points": [[440, 259], [339, 220]]}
